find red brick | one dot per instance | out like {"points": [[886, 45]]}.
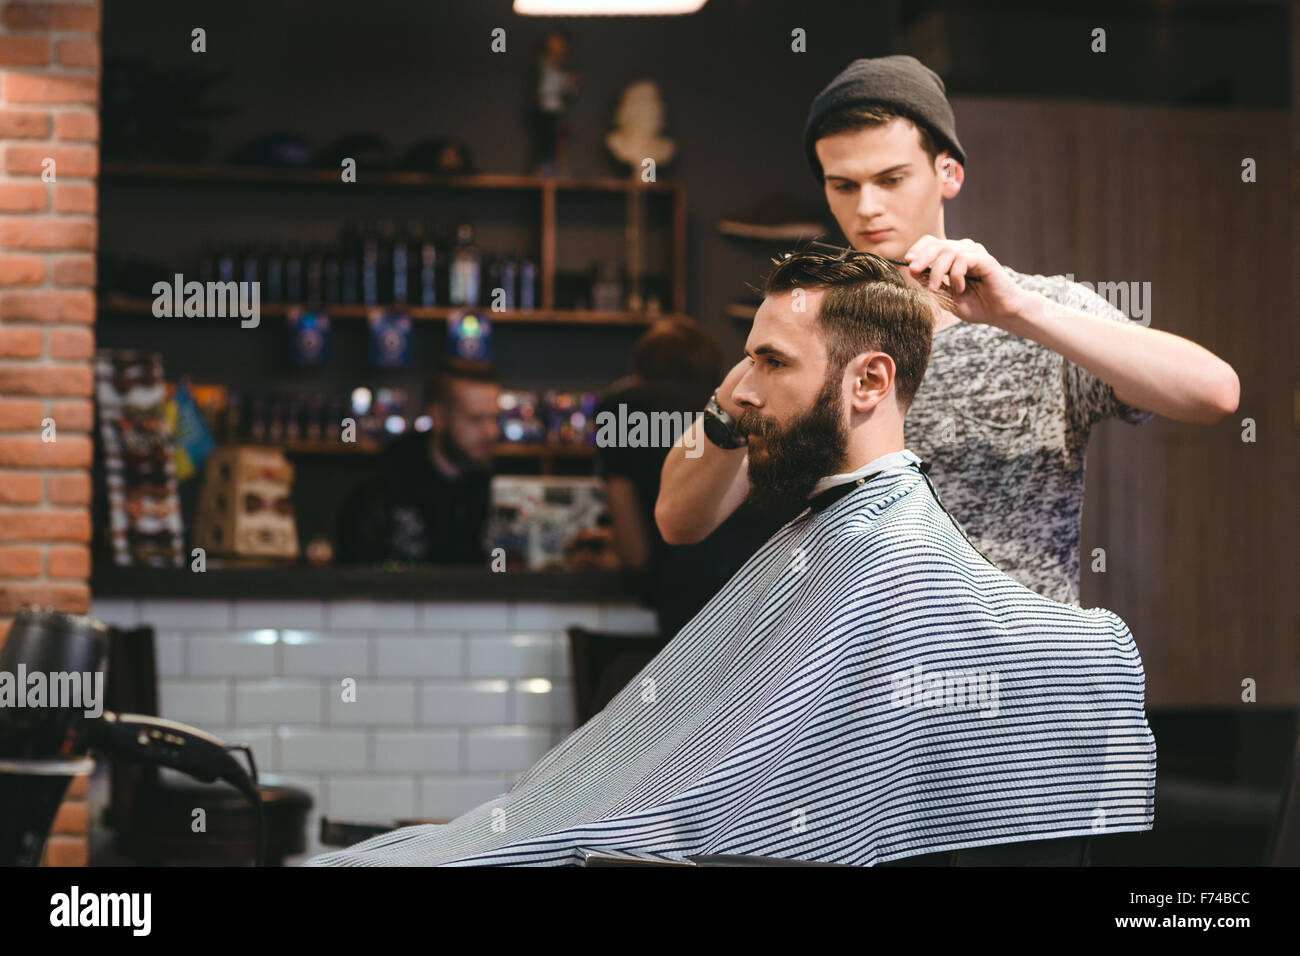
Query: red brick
{"points": [[66, 850], [20, 342], [20, 562], [71, 489], [74, 343], [78, 788], [71, 380], [18, 269], [68, 160], [23, 197], [25, 124], [74, 270], [70, 563], [53, 16], [61, 597], [66, 451], [17, 488], [76, 125], [45, 306], [75, 416], [71, 817], [25, 51], [29, 525], [75, 198], [19, 415], [51, 234], [44, 88], [79, 52]]}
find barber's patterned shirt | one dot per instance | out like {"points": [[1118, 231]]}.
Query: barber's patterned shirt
{"points": [[1004, 423]]}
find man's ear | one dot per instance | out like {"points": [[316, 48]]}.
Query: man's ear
{"points": [[870, 378], [951, 174]]}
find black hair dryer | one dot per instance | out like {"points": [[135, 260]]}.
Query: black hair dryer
{"points": [[48, 659], [52, 716]]}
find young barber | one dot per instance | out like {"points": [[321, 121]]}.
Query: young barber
{"points": [[1020, 371]]}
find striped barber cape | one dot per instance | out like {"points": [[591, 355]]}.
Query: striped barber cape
{"points": [[866, 687]]}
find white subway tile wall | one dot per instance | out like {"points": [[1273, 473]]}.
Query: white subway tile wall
{"points": [[381, 710]]}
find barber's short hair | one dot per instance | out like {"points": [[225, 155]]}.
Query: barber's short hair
{"points": [[438, 388], [868, 307]]}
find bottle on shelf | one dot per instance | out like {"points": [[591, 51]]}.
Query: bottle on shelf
{"points": [[384, 274], [332, 278], [315, 276], [370, 255], [465, 268], [293, 275], [274, 270], [430, 265], [207, 264], [442, 271], [509, 278], [606, 286], [350, 265], [275, 421], [528, 295], [249, 270], [403, 266], [230, 427], [225, 263], [256, 427], [490, 269]]}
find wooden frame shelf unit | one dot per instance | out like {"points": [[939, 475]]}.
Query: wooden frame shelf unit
{"points": [[545, 453], [547, 187], [124, 305]]}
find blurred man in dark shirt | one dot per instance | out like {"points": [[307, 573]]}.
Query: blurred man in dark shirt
{"points": [[675, 369], [430, 501]]}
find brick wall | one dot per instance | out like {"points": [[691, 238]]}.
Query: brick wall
{"points": [[453, 699], [49, 93]]}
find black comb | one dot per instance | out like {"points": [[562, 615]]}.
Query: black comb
{"points": [[843, 252]]}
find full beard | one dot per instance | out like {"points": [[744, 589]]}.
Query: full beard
{"points": [[795, 457]]}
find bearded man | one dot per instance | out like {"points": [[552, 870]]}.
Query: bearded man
{"points": [[867, 688]]}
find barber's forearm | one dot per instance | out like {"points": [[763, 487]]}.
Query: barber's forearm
{"points": [[1148, 369], [695, 486]]}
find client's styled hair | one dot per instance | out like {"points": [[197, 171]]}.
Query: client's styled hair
{"points": [[868, 307]]}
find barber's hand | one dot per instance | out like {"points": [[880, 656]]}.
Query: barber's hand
{"points": [[729, 385], [990, 301]]}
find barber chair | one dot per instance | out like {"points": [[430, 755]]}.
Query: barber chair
{"points": [[1071, 851], [152, 817], [602, 663], [1284, 841]]}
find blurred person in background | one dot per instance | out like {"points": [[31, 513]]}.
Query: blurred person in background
{"points": [[429, 503], [677, 364]]}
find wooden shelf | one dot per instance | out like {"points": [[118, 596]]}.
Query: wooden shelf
{"points": [[502, 449], [542, 450], [282, 582], [172, 172], [322, 447], [545, 190], [143, 307]]}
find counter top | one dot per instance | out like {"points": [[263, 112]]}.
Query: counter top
{"points": [[375, 583]]}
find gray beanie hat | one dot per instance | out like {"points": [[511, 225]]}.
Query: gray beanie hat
{"points": [[901, 82]]}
